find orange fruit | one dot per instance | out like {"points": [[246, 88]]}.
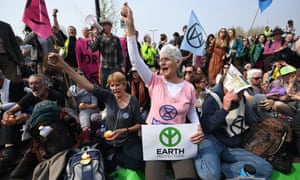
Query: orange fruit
{"points": [[108, 134], [82, 105], [12, 118]]}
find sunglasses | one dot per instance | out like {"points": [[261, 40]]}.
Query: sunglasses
{"points": [[188, 72], [257, 78]]}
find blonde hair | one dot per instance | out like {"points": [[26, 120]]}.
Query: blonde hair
{"points": [[116, 77]]}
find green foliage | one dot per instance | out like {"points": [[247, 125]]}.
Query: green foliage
{"points": [[254, 31], [108, 11]]}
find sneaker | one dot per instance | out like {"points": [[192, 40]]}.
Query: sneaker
{"points": [[25, 167], [9, 158]]}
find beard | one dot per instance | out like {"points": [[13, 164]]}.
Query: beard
{"points": [[39, 93]]}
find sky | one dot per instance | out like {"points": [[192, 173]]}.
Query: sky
{"points": [[166, 16]]}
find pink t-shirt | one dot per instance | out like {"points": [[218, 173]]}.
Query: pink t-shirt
{"points": [[166, 109]]}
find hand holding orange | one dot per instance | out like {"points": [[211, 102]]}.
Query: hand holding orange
{"points": [[82, 105], [12, 118], [108, 134]]}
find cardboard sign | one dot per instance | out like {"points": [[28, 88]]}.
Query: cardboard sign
{"points": [[168, 142]]}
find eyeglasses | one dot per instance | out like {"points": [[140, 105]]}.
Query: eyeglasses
{"points": [[257, 78], [188, 72], [202, 81], [164, 59]]}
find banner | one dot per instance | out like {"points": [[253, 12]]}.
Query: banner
{"points": [[168, 142], [264, 4], [36, 17], [194, 40], [88, 61]]}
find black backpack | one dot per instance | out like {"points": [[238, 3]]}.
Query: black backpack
{"points": [[52, 129]]}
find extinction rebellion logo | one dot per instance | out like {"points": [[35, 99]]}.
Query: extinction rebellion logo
{"points": [[170, 137]]}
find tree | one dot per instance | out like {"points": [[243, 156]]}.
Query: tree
{"points": [[254, 31], [106, 9]]}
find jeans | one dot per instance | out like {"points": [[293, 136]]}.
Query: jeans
{"points": [[214, 157], [85, 117], [183, 169]]}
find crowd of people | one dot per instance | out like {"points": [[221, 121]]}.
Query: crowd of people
{"points": [[128, 82]]}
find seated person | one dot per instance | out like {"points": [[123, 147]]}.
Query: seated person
{"points": [[40, 90], [86, 104], [223, 125], [277, 88], [10, 136]]}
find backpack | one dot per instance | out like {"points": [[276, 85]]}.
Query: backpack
{"points": [[86, 164], [52, 129], [268, 139]]}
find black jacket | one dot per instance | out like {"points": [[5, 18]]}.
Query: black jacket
{"points": [[9, 41]]}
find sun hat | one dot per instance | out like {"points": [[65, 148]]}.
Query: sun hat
{"points": [[277, 31], [287, 70], [105, 21]]}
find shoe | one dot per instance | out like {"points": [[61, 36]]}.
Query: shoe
{"points": [[26, 166], [9, 158]]}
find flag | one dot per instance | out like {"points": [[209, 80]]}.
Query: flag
{"points": [[193, 40], [36, 17], [264, 4]]}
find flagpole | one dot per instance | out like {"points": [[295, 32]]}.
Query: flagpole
{"points": [[97, 7], [253, 20]]}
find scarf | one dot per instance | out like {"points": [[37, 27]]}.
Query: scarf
{"points": [[141, 91]]}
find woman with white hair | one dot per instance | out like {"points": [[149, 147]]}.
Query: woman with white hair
{"points": [[166, 90], [254, 77]]}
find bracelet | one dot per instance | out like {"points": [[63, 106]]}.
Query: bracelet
{"points": [[127, 130]]}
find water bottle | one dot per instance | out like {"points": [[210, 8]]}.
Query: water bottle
{"points": [[102, 130], [247, 171]]}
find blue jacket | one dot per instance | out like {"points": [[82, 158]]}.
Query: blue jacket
{"points": [[213, 119]]}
